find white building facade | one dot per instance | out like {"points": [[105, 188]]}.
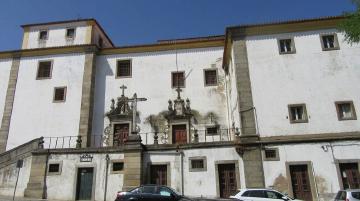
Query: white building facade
{"points": [[269, 105]]}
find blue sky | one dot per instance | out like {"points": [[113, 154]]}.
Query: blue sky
{"points": [[129, 22]]}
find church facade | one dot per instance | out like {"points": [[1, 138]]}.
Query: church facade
{"points": [[267, 105]]}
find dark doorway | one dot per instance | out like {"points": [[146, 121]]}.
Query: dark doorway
{"points": [[227, 180], [350, 175], [300, 182], [158, 174], [179, 134], [84, 183], [121, 134]]}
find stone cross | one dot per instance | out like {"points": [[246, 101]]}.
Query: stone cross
{"points": [[134, 101], [123, 87]]}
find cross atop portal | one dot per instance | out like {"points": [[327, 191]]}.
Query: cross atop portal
{"points": [[178, 90], [123, 87]]}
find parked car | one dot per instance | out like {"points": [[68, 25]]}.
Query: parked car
{"points": [[260, 195], [348, 195], [151, 193]]}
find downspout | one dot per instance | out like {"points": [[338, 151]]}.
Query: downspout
{"points": [[227, 105], [182, 172], [107, 158], [44, 195]]}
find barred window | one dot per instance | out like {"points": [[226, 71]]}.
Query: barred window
{"points": [[59, 94], [44, 70], [70, 33], [210, 77], [123, 68], [178, 79], [43, 35]]}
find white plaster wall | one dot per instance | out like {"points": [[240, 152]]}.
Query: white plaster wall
{"points": [[57, 34], [312, 76], [63, 186], [34, 113], [8, 177], [5, 67], [324, 169], [196, 184], [151, 78]]}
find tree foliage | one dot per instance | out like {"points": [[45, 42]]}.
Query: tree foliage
{"points": [[351, 24]]}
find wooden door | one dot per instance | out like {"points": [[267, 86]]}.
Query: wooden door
{"points": [[300, 182], [179, 134], [121, 134], [227, 180], [84, 183], [158, 174], [350, 175]]}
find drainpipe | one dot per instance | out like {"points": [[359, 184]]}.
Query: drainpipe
{"points": [[182, 172], [107, 158], [44, 195]]}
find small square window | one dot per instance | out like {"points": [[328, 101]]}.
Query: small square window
{"points": [[210, 77], [197, 164], [286, 46], [212, 130], [123, 68], [178, 79], [54, 168], [44, 70], [271, 154], [43, 35], [70, 33], [329, 42], [345, 110], [117, 166], [59, 94], [297, 113]]}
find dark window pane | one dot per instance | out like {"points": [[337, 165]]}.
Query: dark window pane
{"points": [[285, 45], [197, 164], [118, 166], [70, 33], [328, 41], [356, 195], [124, 68], [178, 79], [270, 153], [43, 35], [210, 77], [212, 130], [257, 194], [54, 167], [44, 69], [59, 94], [273, 195], [297, 113]]}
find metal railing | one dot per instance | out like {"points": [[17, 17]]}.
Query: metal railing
{"points": [[148, 138]]}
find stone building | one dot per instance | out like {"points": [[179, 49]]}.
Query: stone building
{"points": [[265, 105]]}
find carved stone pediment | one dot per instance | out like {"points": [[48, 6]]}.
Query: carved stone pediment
{"points": [[120, 110], [179, 109]]}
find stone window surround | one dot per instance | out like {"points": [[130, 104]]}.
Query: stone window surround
{"points": [[54, 173], [117, 66], [293, 49], [174, 87], [116, 161], [336, 42], [203, 158], [168, 171], [66, 31], [237, 173], [353, 111], [310, 173], [337, 164], [305, 113], [111, 137], [65, 93], [87, 165], [276, 158], [179, 122], [51, 68], [216, 72]]}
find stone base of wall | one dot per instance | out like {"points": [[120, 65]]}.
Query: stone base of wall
{"points": [[36, 188]]}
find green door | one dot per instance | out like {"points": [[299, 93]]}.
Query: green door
{"points": [[84, 183]]}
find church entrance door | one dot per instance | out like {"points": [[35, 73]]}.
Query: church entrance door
{"points": [[179, 134]]}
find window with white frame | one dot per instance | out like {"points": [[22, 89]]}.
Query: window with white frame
{"points": [[345, 110]]}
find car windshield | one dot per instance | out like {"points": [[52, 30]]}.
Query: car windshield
{"points": [[356, 195]]}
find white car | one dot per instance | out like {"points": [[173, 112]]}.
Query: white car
{"points": [[348, 195], [258, 194]]}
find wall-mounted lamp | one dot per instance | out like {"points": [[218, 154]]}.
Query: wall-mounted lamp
{"points": [[325, 148]]}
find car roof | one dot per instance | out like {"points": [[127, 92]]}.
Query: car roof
{"points": [[267, 189]]}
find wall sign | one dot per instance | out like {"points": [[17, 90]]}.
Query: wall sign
{"points": [[86, 158]]}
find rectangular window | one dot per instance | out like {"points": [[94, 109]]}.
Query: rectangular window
{"points": [[117, 166], [329, 42], [297, 113], [43, 35], [271, 154], [210, 77], [70, 33], [178, 79], [123, 68], [286, 46], [59, 94], [197, 164], [345, 110], [44, 70], [54, 168], [213, 130]]}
